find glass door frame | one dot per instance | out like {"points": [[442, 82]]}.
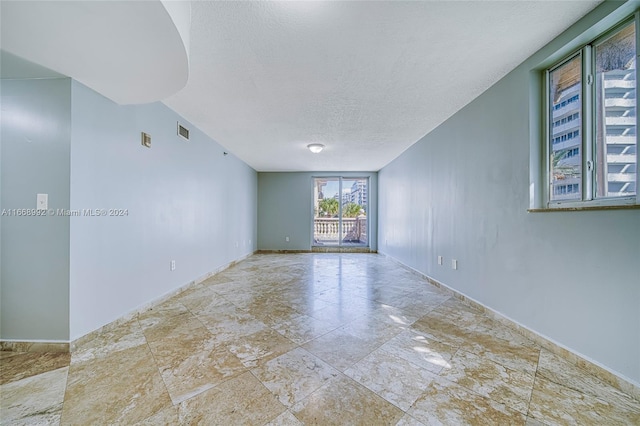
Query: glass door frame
{"points": [[340, 179]]}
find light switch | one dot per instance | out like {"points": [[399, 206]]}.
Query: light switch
{"points": [[42, 201]]}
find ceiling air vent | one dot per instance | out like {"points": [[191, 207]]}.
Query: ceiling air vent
{"points": [[183, 131]]}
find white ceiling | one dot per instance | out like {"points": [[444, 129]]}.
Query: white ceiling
{"points": [[130, 51], [367, 79]]}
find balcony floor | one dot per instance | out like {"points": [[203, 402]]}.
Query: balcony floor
{"points": [[335, 243]]}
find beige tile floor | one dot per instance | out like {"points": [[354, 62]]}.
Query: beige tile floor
{"points": [[308, 339]]}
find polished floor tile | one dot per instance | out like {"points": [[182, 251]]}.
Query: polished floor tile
{"points": [[344, 402], [35, 399], [240, 401], [407, 420], [120, 388], [315, 339], [260, 347], [475, 333], [166, 416], [190, 366], [337, 314], [340, 349], [448, 403], [490, 379], [114, 339], [294, 375], [227, 326], [554, 403], [395, 379], [413, 346], [303, 328], [285, 419], [557, 370], [16, 366]]}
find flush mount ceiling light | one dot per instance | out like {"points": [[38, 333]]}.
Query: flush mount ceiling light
{"points": [[315, 147]]}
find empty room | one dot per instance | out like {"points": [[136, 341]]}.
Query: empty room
{"points": [[319, 213]]}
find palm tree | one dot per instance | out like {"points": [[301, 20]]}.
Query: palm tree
{"points": [[559, 169], [328, 207], [351, 210]]}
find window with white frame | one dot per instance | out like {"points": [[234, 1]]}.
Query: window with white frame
{"points": [[592, 155]]}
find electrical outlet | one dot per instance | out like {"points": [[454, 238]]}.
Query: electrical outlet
{"points": [[440, 260], [286, 239], [454, 264], [173, 265]]}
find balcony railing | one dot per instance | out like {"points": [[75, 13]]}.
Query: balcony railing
{"points": [[571, 125], [621, 177], [620, 121], [572, 107], [620, 102], [617, 84], [354, 231], [621, 158], [621, 140], [571, 143]]}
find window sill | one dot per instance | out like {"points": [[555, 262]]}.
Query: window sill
{"points": [[581, 208]]}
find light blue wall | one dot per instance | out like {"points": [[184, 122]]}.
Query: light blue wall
{"points": [[285, 208], [62, 276], [186, 201], [463, 192], [35, 148]]}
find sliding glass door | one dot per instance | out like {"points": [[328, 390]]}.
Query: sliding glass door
{"points": [[340, 211]]}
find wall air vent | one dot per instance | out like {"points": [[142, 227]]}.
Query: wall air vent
{"points": [[146, 139], [183, 131]]}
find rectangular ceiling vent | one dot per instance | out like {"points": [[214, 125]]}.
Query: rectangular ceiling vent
{"points": [[183, 131]]}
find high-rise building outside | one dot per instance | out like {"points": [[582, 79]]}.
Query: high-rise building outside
{"points": [[359, 192], [615, 134], [616, 175]]}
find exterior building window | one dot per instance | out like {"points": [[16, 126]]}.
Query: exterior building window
{"points": [[592, 141]]}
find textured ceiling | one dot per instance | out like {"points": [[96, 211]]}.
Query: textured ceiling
{"points": [[367, 79]]}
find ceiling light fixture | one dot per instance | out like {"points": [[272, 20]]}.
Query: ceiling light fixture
{"points": [[315, 147]]}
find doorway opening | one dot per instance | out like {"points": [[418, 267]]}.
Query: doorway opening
{"points": [[340, 207]]}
